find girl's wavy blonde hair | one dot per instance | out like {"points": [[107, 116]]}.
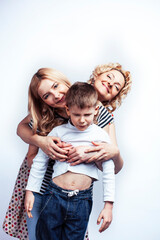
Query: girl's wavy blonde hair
{"points": [[117, 100], [43, 115]]}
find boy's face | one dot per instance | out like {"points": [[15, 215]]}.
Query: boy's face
{"points": [[81, 118]]}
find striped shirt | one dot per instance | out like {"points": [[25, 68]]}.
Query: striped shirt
{"points": [[104, 118]]}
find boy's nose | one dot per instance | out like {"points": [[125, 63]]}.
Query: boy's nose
{"points": [[81, 119]]}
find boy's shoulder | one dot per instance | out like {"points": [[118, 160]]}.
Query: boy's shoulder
{"points": [[100, 133], [64, 125], [99, 129], [59, 128]]}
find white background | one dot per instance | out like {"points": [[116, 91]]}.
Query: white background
{"points": [[73, 37]]}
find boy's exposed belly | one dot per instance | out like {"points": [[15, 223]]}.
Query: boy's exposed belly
{"points": [[73, 181]]}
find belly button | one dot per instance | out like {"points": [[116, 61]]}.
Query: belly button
{"points": [[73, 183]]}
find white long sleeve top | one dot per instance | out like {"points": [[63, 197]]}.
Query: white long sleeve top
{"points": [[70, 134]]}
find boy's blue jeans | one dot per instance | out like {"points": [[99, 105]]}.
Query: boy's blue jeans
{"points": [[65, 214]]}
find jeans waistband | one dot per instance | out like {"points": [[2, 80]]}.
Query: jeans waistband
{"points": [[70, 193]]}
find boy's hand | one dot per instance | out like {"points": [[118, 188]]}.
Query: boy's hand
{"points": [[106, 215], [28, 203]]}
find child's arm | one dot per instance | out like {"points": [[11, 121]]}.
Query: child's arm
{"points": [[38, 169], [108, 179], [106, 215], [28, 203]]}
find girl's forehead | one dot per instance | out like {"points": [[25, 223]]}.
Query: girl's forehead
{"points": [[116, 75]]}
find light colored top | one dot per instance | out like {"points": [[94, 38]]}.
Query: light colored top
{"points": [[70, 134], [104, 118]]}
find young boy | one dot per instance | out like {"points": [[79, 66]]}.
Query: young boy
{"points": [[67, 203]]}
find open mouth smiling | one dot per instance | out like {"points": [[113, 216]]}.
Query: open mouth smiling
{"points": [[61, 100]]}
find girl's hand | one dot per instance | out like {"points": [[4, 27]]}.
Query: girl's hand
{"points": [[28, 203], [50, 146], [106, 215], [65, 146], [102, 151], [77, 155]]}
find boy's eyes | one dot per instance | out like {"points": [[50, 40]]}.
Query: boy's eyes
{"points": [[85, 115]]}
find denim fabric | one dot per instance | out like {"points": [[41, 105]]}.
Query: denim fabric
{"points": [[64, 215], [31, 222]]}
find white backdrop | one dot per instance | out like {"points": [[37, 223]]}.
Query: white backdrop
{"points": [[73, 37]]}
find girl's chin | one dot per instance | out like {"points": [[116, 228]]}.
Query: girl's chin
{"points": [[62, 105], [101, 98]]}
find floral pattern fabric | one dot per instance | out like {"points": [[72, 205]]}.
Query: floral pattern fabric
{"points": [[15, 223]]}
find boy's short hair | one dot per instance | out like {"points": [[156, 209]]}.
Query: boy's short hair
{"points": [[82, 95]]}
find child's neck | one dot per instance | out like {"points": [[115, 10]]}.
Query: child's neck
{"points": [[76, 127]]}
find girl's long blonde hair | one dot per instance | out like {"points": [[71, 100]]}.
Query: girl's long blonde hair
{"points": [[43, 115], [117, 100]]}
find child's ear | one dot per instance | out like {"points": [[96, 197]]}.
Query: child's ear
{"points": [[96, 114], [96, 110], [67, 110]]}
